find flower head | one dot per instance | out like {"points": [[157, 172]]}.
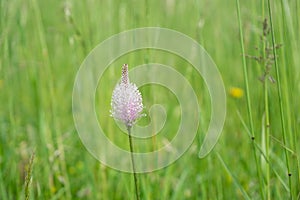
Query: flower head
{"points": [[126, 102], [236, 92]]}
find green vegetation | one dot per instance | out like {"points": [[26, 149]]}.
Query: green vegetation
{"points": [[256, 46]]}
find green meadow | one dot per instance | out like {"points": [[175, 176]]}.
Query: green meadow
{"points": [[254, 44]]}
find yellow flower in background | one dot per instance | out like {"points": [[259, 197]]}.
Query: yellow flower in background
{"points": [[236, 92]]}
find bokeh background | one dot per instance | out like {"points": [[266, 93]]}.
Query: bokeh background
{"points": [[42, 45]]}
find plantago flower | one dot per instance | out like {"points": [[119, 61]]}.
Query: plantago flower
{"points": [[126, 106], [126, 102]]}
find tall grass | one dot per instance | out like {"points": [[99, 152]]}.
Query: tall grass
{"points": [[249, 107], [43, 43]]}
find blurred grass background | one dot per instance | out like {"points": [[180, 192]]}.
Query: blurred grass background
{"points": [[43, 43]]}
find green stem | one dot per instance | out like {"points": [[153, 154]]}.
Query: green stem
{"points": [[133, 164], [267, 136], [248, 99], [267, 115], [280, 99]]}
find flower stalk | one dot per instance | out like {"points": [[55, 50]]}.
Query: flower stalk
{"points": [[137, 192]]}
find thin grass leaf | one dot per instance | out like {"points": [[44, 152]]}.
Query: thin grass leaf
{"points": [[180, 183], [236, 182]]}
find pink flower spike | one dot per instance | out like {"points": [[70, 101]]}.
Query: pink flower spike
{"points": [[126, 102]]}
